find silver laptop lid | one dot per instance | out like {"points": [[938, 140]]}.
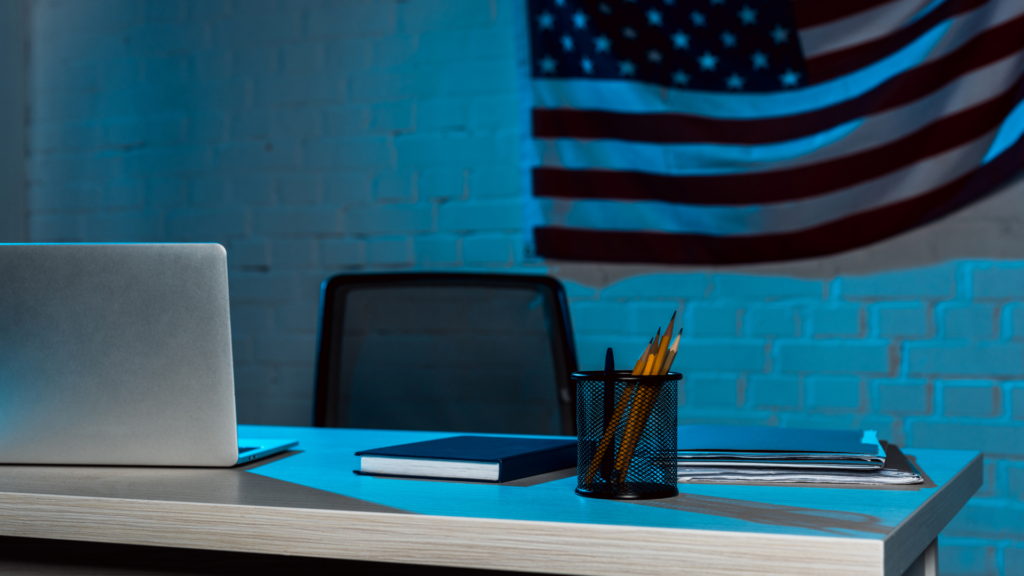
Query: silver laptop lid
{"points": [[116, 354]]}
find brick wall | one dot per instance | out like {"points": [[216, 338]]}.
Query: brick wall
{"points": [[310, 138], [315, 137]]}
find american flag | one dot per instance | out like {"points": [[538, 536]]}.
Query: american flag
{"points": [[731, 131]]}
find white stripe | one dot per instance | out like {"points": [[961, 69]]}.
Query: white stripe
{"points": [[870, 132], [630, 97], [619, 215], [1009, 132], [679, 159], [859, 28]]}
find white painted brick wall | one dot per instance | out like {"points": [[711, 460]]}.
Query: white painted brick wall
{"points": [[310, 138]]}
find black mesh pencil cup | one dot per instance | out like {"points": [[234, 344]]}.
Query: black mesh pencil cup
{"points": [[626, 426]]}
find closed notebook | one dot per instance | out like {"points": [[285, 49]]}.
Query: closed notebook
{"points": [[483, 458]]}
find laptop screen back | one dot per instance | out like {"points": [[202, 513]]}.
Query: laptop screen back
{"points": [[116, 354]]}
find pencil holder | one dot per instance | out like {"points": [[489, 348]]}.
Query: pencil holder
{"points": [[626, 428]]}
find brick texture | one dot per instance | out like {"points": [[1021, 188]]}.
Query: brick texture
{"points": [[310, 138]]}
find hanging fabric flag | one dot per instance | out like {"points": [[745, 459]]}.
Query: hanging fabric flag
{"points": [[731, 131]]}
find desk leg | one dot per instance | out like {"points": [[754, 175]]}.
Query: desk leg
{"points": [[927, 564]]}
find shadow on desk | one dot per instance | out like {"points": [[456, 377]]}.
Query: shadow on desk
{"points": [[830, 521], [40, 557]]}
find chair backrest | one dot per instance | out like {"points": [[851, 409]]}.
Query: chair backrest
{"points": [[445, 351]]}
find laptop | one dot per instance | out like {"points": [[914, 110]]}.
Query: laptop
{"points": [[118, 354]]}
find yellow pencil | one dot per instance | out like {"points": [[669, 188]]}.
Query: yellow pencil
{"points": [[653, 353], [642, 361], [663, 346], [672, 351]]}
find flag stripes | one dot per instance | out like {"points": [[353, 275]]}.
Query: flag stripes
{"points": [[811, 13], [835, 64], [862, 28], [901, 127], [745, 219], [781, 185], [857, 230]]}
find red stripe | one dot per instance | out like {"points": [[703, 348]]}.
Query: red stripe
{"points": [[781, 185], [989, 47], [855, 231], [835, 64], [813, 12]]}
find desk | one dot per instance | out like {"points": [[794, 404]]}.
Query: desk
{"points": [[309, 503]]}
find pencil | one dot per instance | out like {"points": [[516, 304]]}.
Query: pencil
{"points": [[672, 351], [644, 398], [642, 360], [653, 353], [663, 346]]}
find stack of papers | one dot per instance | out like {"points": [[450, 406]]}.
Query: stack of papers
{"points": [[709, 453]]}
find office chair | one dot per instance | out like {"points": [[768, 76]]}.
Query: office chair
{"points": [[445, 351]]}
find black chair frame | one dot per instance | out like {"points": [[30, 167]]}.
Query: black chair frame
{"points": [[331, 321]]}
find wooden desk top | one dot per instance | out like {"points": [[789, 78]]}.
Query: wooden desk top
{"points": [[310, 503]]}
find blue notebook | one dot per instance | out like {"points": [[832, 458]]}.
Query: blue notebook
{"points": [[481, 458]]}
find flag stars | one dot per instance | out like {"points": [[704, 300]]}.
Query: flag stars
{"points": [[747, 15], [546, 21], [707, 61], [779, 34], [680, 40], [548, 65], [579, 20], [587, 65], [789, 78], [728, 46], [759, 60]]}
